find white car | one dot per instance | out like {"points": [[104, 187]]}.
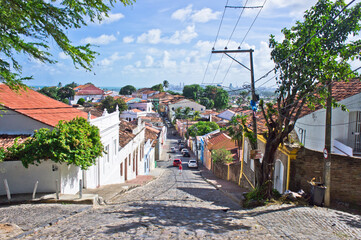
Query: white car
{"points": [[184, 150], [192, 164], [172, 149]]}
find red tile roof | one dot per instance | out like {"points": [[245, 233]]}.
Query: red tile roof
{"points": [[126, 132], [37, 106], [221, 140], [8, 140], [88, 89]]}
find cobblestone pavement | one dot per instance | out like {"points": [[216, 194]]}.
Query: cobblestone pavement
{"points": [[184, 206]]}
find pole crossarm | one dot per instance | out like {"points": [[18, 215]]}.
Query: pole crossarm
{"points": [[233, 51]]}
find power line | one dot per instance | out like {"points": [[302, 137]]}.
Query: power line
{"points": [[210, 55], [245, 38], [309, 39]]}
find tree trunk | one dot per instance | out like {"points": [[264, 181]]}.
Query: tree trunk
{"points": [[267, 166]]}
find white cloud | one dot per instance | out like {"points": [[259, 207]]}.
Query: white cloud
{"points": [[128, 39], [204, 15], [138, 64], [101, 40], [149, 61], [153, 36], [62, 55], [183, 13], [184, 36], [167, 63], [115, 57], [112, 17]]}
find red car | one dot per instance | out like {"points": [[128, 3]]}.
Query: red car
{"points": [[177, 162]]}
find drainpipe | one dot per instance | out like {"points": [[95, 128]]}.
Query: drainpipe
{"points": [[288, 172]]}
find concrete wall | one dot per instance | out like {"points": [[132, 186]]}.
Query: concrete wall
{"points": [[345, 175], [187, 103], [12, 122], [22, 180]]}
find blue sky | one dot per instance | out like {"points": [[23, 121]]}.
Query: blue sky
{"points": [[156, 40]]}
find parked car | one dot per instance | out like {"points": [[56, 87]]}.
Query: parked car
{"points": [[192, 164], [177, 162], [172, 149], [186, 154], [184, 150]]}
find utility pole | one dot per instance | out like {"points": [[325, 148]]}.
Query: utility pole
{"points": [[327, 150], [253, 90]]}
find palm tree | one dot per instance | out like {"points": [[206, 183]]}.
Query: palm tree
{"points": [[196, 115], [166, 84], [235, 131]]}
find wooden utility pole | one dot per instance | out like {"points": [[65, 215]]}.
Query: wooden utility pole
{"points": [[327, 150], [253, 90]]}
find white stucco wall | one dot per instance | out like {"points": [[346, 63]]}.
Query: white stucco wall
{"points": [[187, 103], [313, 125], [147, 107], [22, 180], [12, 122]]}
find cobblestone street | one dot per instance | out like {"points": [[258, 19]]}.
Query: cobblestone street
{"points": [[179, 206]]}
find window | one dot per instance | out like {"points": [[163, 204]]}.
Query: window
{"points": [[245, 152], [130, 159], [192, 109], [173, 108], [108, 153], [252, 165], [115, 146], [201, 109]]}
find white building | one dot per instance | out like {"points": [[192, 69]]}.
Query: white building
{"points": [[184, 103], [143, 106], [346, 125], [131, 115]]}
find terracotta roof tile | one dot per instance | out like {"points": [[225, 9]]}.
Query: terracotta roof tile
{"points": [[37, 106], [126, 132], [8, 140], [221, 140], [88, 89]]}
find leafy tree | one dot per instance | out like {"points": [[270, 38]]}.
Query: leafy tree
{"points": [[75, 142], [158, 87], [193, 91], [65, 93], [222, 156], [2, 154], [127, 90], [196, 115], [65, 100], [110, 104], [51, 92], [28, 27], [60, 85], [208, 103], [201, 128], [313, 54], [210, 92], [172, 92], [165, 84], [242, 98], [221, 100], [81, 101], [72, 85], [178, 113]]}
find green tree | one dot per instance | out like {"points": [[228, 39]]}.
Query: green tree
{"points": [[165, 84], [110, 104], [75, 142], [210, 92], [72, 85], [51, 92], [221, 100], [81, 101], [127, 90], [193, 91], [158, 87], [29, 27], [172, 92], [196, 115], [208, 103], [65, 93], [221, 156], [314, 53], [201, 128]]}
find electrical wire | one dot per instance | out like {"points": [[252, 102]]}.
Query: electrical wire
{"points": [[307, 41], [215, 41]]}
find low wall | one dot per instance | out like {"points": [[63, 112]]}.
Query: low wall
{"points": [[345, 175]]}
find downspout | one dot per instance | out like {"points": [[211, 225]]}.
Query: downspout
{"points": [[227, 172], [241, 172], [288, 172]]}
